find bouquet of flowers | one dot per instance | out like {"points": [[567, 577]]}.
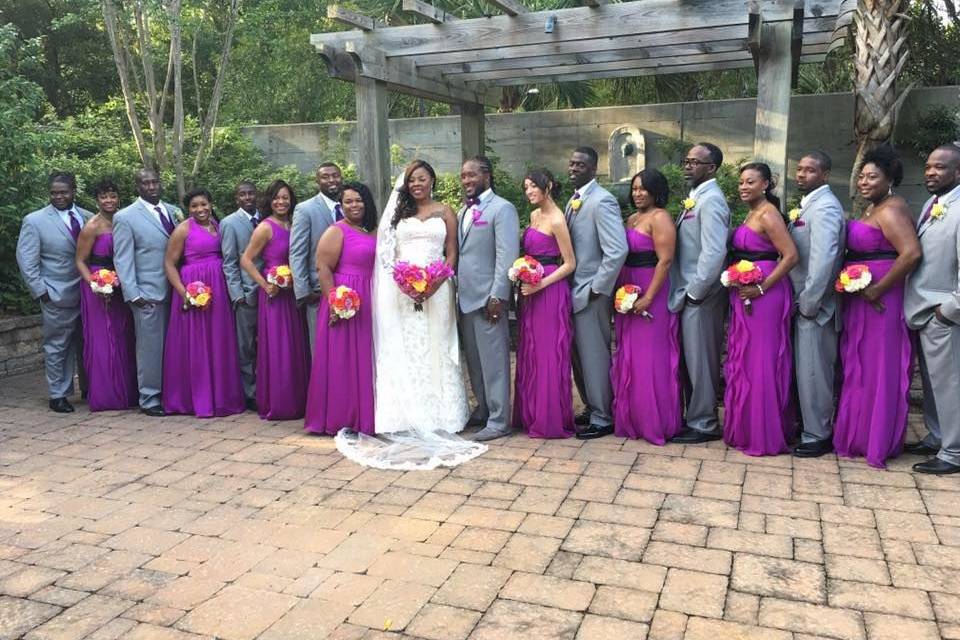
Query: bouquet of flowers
{"points": [[742, 274], [103, 281], [527, 270], [280, 275], [627, 296], [414, 280], [344, 302], [853, 278], [199, 295]]}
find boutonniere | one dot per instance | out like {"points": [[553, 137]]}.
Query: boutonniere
{"points": [[178, 216], [937, 211], [576, 203], [688, 204], [794, 214], [477, 215]]}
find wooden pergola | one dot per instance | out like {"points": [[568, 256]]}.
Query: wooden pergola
{"points": [[467, 62]]}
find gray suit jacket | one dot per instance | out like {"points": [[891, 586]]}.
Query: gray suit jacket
{"points": [[701, 247], [46, 254], [488, 248], [599, 242], [235, 232], [819, 234], [935, 281], [310, 219], [139, 243]]}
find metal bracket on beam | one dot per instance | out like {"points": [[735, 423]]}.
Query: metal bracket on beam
{"points": [[352, 18], [428, 11]]}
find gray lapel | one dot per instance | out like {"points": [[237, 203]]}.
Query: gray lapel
{"points": [[151, 215], [925, 224], [483, 207], [58, 223], [948, 203]]}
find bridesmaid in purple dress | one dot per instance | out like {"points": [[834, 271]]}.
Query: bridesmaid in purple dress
{"points": [[759, 365], [645, 374], [283, 357], [340, 394], [201, 368], [875, 347], [543, 402], [109, 356]]}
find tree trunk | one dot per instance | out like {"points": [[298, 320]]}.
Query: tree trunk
{"points": [[173, 13], [121, 56], [154, 115]]}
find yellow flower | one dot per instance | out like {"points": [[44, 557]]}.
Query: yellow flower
{"points": [[844, 278], [420, 285], [576, 204], [794, 214], [284, 271], [202, 299], [937, 211], [744, 266], [689, 203]]}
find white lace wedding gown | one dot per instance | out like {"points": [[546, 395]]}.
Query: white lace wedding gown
{"points": [[420, 397]]}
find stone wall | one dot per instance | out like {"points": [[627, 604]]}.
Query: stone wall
{"points": [[545, 138], [20, 345]]}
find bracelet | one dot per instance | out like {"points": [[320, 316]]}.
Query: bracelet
{"points": [[761, 289]]}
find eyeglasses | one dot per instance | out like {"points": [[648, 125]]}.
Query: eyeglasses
{"points": [[693, 162]]}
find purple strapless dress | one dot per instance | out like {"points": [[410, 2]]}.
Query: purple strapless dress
{"points": [[109, 348], [876, 356], [543, 401], [645, 374], [283, 352], [341, 381], [757, 417], [201, 369]]}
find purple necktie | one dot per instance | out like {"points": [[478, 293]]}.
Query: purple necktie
{"points": [[74, 225], [255, 220], [338, 212], [164, 219], [926, 215]]}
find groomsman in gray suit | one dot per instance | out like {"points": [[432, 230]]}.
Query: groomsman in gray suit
{"points": [[46, 254], [600, 244], [817, 228], [932, 307], [311, 218], [488, 233], [235, 232], [696, 293], [140, 235]]}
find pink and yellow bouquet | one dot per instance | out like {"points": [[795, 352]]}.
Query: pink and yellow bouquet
{"points": [[526, 269], [627, 296], [199, 295], [853, 278], [280, 275], [344, 302], [741, 274], [104, 281], [415, 280]]}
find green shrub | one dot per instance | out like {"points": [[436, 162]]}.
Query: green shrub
{"points": [[933, 127]]}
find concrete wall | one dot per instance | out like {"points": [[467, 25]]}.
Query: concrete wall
{"points": [[21, 347], [545, 138]]}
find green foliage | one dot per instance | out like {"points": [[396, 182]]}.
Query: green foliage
{"points": [[932, 127]]}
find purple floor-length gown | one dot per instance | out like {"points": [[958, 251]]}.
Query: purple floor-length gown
{"points": [[283, 351], [341, 380], [109, 350], [875, 356], [757, 417], [543, 402], [201, 369], [645, 374]]}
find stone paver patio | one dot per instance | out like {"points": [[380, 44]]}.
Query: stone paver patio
{"points": [[120, 526]]}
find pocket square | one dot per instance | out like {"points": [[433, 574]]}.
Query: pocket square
{"points": [[799, 223], [480, 223], [689, 215]]}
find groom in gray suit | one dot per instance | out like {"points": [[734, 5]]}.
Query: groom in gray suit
{"points": [[46, 254], [140, 235], [817, 228], [488, 231], [600, 244], [932, 307], [310, 219], [235, 232], [696, 293]]}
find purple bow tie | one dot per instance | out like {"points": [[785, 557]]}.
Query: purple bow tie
{"points": [[472, 202]]}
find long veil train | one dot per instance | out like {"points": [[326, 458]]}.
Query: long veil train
{"points": [[407, 445]]}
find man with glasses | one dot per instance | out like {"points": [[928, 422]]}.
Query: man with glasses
{"points": [[696, 294]]}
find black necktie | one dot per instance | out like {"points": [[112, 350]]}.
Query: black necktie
{"points": [[337, 212]]}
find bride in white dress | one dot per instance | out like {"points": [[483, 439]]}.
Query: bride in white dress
{"points": [[420, 395]]}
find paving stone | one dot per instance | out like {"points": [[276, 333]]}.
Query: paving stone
{"points": [[487, 518], [28, 580], [59, 596], [804, 617], [694, 593], [667, 625], [877, 497], [541, 525], [858, 569], [308, 620], [679, 533], [627, 604], [702, 511], [766, 576], [741, 607], [392, 606], [435, 506], [548, 591], [154, 614], [605, 539], [543, 500], [356, 553], [186, 592], [619, 514], [17, 616], [880, 599], [900, 525], [885, 627], [411, 568], [349, 588], [237, 613], [706, 629], [508, 620], [81, 619], [621, 573], [439, 622], [847, 540], [472, 587], [596, 489], [688, 557], [527, 553], [758, 543], [603, 628], [153, 632]]}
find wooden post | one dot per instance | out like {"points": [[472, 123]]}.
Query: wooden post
{"points": [[774, 70], [373, 137], [472, 139]]}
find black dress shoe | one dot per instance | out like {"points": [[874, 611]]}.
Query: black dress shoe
{"points": [[594, 431], [937, 467], [60, 405], [692, 436], [582, 419], [251, 405], [813, 449], [920, 448], [153, 412]]}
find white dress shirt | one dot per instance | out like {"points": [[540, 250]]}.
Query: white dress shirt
{"points": [[467, 216]]}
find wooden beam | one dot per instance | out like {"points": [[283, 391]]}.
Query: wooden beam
{"points": [[773, 99], [428, 11], [509, 7], [472, 130], [350, 18], [373, 137]]}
